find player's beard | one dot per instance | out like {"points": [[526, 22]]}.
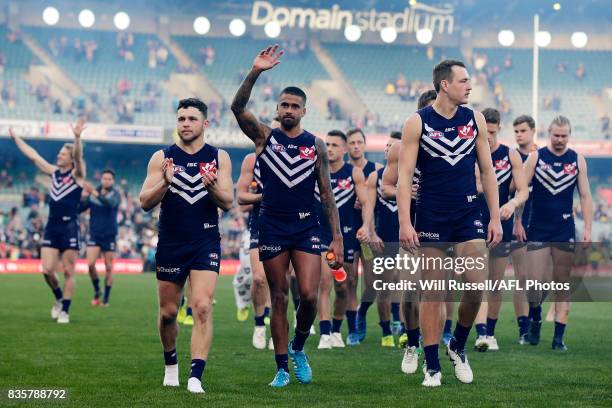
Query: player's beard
{"points": [[190, 138], [289, 123]]}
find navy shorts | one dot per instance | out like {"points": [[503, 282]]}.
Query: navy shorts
{"points": [[174, 261], [106, 243], [504, 248], [349, 242], [280, 233], [61, 235], [254, 240], [460, 225], [561, 236]]}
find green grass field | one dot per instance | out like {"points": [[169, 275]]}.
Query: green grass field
{"points": [[112, 357]]}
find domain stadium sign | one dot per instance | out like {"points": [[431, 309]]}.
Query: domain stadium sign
{"points": [[413, 18]]}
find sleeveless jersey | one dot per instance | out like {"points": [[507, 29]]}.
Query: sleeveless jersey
{"points": [[527, 207], [503, 173], [188, 213], [253, 219], [103, 213], [553, 187], [446, 160], [64, 197], [387, 221], [288, 175], [343, 188]]}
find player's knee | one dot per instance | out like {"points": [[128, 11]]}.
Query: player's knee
{"points": [[341, 290], [309, 298], [279, 299], [167, 315], [259, 282], [202, 308]]}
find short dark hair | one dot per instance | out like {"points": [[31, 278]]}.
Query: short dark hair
{"points": [[294, 90], [352, 131], [444, 71], [396, 135], [195, 103], [425, 98], [109, 171], [524, 119], [492, 115], [337, 133]]}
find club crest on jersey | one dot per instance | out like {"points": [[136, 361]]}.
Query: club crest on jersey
{"points": [[569, 168], [208, 167], [502, 164], [178, 169], [465, 132], [344, 184], [307, 153], [278, 148], [435, 134]]}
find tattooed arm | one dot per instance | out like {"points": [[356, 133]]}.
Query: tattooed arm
{"points": [[328, 202]]}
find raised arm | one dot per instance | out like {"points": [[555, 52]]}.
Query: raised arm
{"points": [[257, 132], [367, 204], [220, 184], [79, 163], [32, 154], [488, 180], [411, 135], [586, 201], [243, 195], [328, 202], [160, 172]]}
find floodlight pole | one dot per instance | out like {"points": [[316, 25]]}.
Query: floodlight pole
{"points": [[535, 82]]}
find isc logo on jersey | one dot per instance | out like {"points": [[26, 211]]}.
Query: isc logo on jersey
{"points": [[502, 164], [465, 132], [307, 153], [344, 184], [208, 167], [569, 168]]}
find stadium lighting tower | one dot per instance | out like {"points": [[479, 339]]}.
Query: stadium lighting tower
{"points": [[388, 34], [424, 36], [121, 20], [51, 16], [201, 25], [506, 38], [237, 27], [579, 39], [543, 38], [87, 18], [352, 33], [557, 6], [272, 29]]}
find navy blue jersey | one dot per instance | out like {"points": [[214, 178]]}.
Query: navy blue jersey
{"points": [[253, 220], [527, 207], [446, 160], [553, 187], [387, 221], [64, 197], [503, 173], [103, 213], [288, 174], [343, 188], [188, 213]]}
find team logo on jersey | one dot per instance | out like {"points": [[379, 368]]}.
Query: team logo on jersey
{"points": [[314, 239], [478, 223], [435, 134], [545, 166], [278, 148], [178, 169], [569, 168], [307, 153], [208, 167], [344, 184], [465, 132], [502, 164], [213, 255]]}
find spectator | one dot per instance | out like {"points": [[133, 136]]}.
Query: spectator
{"points": [[580, 72]]}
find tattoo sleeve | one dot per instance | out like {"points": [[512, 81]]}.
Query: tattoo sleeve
{"points": [[327, 197], [246, 120]]}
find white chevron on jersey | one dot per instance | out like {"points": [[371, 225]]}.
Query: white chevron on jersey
{"points": [[290, 170], [553, 181], [59, 189], [416, 177], [452, 151], [190, 188], [341, 196], [503, 174], [257, 174], [390, 204]]}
